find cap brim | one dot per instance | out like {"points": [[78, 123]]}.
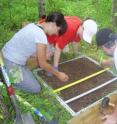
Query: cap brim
{"points": [[87, 37]]}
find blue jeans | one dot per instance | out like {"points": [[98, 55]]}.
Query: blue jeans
{"points": [[29, 83]]}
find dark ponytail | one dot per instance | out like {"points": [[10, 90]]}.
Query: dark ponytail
{"points": [[58, 18], [63, 28]]}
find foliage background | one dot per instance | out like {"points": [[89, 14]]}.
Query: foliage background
{"points": [[14, 12]]}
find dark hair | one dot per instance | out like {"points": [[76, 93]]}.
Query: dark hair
{"points": [[106, 37], [63, 28], [58, 18]]}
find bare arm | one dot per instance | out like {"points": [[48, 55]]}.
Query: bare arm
{"points": [[75, 48], [41, 53], [57, 55], [115, 112]]}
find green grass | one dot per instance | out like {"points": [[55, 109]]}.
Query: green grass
{"points": [[15, 12], [45, 102]]}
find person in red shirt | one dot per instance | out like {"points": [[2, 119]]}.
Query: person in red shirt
{"points": [[73, 23], [76, 30]]}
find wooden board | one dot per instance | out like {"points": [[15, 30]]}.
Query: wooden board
{"points": [[94, 114]]}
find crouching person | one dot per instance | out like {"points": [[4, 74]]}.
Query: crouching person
{"points": [[107, 40], [28, 41]]}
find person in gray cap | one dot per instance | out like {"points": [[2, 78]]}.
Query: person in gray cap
{"points": [[107, 40]]}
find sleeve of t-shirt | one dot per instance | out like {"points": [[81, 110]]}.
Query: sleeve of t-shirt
{"points": [[76, 39], [115, 58], [40, 37]]}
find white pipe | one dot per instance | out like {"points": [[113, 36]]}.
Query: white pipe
{"points": [[71, 111], [95, 103], [90, 91]]}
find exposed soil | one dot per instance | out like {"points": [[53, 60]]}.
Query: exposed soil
{"points": [[93, 97], [78, 69]]}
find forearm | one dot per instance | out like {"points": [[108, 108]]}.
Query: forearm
{"points": [[115, 111], [41, 52], [46, 66], [57, 55], [75, 47]]}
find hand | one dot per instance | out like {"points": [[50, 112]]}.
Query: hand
{"points": [[105, 63], [49, 74], [110, 119], [63, 77]]}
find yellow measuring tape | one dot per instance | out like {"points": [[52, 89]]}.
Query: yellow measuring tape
{"points": [[79, 81]]}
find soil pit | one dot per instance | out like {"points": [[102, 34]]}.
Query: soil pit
{"points": [[78, 69]]}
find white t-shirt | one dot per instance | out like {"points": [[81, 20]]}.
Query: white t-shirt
{"points": [[23, 44], [115, 57]]}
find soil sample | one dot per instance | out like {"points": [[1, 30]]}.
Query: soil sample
{"points": [[78, 69]]}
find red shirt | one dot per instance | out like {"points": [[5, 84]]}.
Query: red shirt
{"points": [[73, 24]]}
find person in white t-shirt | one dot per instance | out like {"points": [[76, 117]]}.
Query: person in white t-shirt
{"points": [[30, 40], [107, 40]]}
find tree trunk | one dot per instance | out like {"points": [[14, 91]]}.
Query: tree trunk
{"points": [[41, 8], [114, 13]]}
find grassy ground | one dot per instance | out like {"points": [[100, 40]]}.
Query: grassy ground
{"points": [[18, 11]]}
